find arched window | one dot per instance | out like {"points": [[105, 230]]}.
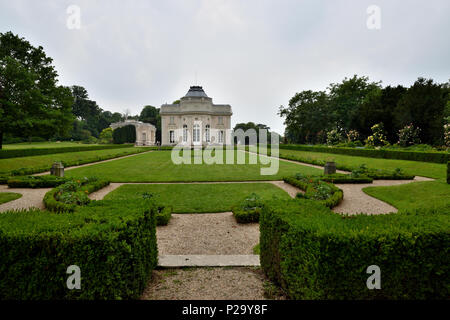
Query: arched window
{"points": [[185, 133], [221, 135], [196, 133], [207, 133]]}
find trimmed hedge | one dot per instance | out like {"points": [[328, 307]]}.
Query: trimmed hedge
{"points": [[163, 216], [17, 153], [248, 211], [36, 181], [435, 157], [125, 134], [313, 253], [246, 216], [345, 178], [4, 179], [312, 185], [113, 244], [76, 191]]}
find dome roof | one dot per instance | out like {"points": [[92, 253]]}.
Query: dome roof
{"points": [[196, 91]]}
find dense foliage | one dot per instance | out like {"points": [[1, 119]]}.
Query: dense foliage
{"points": [[313, 253], [36, 181], [356, 104], [31, 101], [113, 244], [125, 134]]}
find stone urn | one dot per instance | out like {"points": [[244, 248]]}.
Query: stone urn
{"points": [[330, 167], [57, 169]]}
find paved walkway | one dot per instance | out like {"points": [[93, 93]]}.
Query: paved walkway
{"points": [[176, 261], [356, 201], [30, 198]]}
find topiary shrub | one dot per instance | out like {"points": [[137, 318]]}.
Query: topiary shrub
{"points": [[313, 253], [113, 243], [249, 210], [125, 134]]}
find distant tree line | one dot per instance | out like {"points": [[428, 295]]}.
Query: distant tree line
{"points": [[357, 109], [33, 107]]}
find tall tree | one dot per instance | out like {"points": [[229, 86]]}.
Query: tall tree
{"points": [[347, 97], [307, 115], [423, 105], [31, 101], [150, 114]]}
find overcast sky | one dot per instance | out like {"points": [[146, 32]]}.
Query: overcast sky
{"points": [[252, 54]]}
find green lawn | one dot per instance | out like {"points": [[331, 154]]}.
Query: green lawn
{"points": [[426, 169], [198, 198], [158, 167], [427, 194], [8, 196], [36, 145], [47, 160]]}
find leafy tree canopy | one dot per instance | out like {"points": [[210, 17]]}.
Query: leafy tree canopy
{"points": [[31, 101]]}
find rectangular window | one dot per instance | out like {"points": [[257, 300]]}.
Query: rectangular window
{"points": [[172, 136], [220, 120], [221, 136], [172, 120]]}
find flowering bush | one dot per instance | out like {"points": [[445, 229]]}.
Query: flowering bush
{"points": [[447, 135], [408, 136], [378, 138], [334, 136], [352, 136]]}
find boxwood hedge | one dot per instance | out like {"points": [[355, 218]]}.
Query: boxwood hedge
{"points": [[323, 192], [113, 244], [35, 181], [16, 153], [313, 253], [74, 193], [435, 157]]}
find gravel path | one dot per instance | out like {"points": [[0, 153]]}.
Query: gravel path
{"points": [[356, 201], [206, 233], [206, 284], [30, 198]]}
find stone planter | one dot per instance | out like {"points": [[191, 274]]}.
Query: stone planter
{"points": [[57, 169], [330, 168]]}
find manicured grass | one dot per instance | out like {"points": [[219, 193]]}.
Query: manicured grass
{"points": [[198, 198], [8, 196], [7, 165], [427, 194], [158, 167], [431, 170], [31, 145]]}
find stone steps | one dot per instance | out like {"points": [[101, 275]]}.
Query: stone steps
{"points": [[176, 261]]}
